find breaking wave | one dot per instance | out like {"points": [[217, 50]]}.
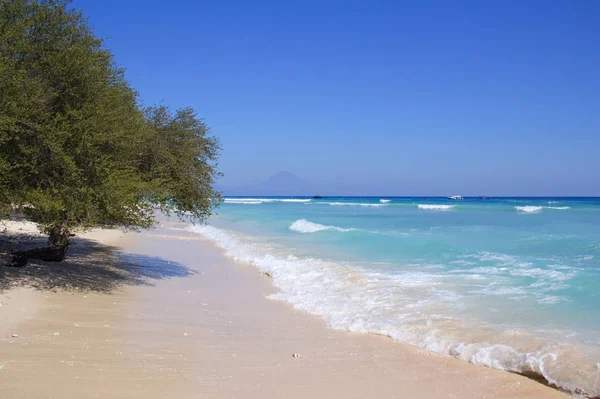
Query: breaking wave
{"points": [[537, 209], [304, 226], [529, 209], [352, 204], [384, 201], [435, 207], [409, 306], [257, 201]]}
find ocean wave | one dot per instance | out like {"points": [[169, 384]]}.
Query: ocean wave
{"points": [[462, 262], [235, 200], [536, 209], [304, 226], [498, 268], [352, 204], [244, 202], [384, 201], [529, 209], [536, 272], [258, 201], [408, 306], [435, 207]]}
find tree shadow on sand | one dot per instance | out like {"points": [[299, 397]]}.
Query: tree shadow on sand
{"points": [[89, 266]]}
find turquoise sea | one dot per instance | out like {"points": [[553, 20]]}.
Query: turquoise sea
{"points": [[510, 283]]}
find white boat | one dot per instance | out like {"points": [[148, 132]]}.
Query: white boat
{"points": [[455, 197]]}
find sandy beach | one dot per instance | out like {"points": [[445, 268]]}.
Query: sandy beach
{"points": [[164, 314]]}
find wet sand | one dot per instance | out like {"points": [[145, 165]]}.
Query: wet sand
{"points": [[164, 314]]}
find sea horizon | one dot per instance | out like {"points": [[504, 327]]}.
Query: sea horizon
{"points": [[418, 196]]}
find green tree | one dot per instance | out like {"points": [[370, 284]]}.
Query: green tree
{"points": [[178, 162], [76, 149]]}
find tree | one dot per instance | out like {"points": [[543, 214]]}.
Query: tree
{"points": [[76, 149], [179, 162]]}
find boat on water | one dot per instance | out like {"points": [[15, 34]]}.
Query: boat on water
{"points": [[455, 197], [317, 196]]}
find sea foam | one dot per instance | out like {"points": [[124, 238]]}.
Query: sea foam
{"points": [[304, 226], [435, 207], [353, 204], [407, 306], [537, 209], [529, 209], [258, 201]]}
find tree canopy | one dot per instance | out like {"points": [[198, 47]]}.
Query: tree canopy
{"points": [[77, 150]]}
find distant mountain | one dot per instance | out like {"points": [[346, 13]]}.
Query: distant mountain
{"points": [[283, 183]]}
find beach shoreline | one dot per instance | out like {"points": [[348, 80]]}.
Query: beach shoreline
{"points": [[183, 320]]}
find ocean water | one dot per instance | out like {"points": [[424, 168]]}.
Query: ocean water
{"points": [[509, 283]]}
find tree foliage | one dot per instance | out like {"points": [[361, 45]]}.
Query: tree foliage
{"points": [[76, 148]]}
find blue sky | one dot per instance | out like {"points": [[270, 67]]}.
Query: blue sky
{"points": [[405, 98]]}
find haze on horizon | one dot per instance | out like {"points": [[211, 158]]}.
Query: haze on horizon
{"points": [[394, 98], [286, 183]]}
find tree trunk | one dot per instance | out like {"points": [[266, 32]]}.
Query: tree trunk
{"points": [[58, 237], [56, 252]]}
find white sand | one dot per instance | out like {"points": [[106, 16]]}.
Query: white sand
{"points": [[203, 329]]}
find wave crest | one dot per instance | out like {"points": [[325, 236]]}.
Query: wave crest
{"points": [[352, 204], [529, 209], [304, 226], [435, 207], [536, 209], [258, 201]]}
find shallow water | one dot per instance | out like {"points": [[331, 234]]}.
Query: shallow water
{"points": [[511, 283]]}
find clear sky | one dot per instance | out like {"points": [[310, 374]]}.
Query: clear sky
{"points": [[389, 97]]}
